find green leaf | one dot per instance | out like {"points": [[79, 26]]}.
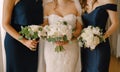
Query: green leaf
{"points": [[58, 38], [73, 29], [53, 39], [65, 38], [40, 29], [35, 35], [28, 33], [20, 38], [64, 22], [59, 49], [49, 39], [102, 39]]}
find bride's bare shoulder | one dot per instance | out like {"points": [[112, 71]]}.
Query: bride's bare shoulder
{"points": [[49, 5], [108, 2]]}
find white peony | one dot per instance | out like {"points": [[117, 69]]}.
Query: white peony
{"points": [[59, 31], [90, 37], [96, 30], [42, 33], [96, 40], [35, 28]]}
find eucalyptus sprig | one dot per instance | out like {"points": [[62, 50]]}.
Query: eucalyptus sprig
{"points": [[29, 33]]}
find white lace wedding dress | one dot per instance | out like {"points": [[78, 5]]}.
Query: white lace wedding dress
{"points": [[65, 61]]}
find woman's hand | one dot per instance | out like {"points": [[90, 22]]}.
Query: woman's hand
{"points": [[31, 44], [60, 43], [74, 36]]}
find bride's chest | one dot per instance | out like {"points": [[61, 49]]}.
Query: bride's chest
{"points": [[70, 19]]}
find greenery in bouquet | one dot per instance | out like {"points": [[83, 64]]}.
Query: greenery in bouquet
{"points": [[30, 32], [90, 37], [60, 31]]}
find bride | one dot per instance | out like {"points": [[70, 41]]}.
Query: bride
{"points": [[68, 60]]}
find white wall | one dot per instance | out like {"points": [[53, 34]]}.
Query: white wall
{"points": [[1, 61], [2, 33], [118, 42]]}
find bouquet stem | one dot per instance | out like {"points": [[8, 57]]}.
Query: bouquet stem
{"points": [[59, 49]]}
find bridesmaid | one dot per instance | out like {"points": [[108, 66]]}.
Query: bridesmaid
{"points": [[96, 13], [20, 57]]}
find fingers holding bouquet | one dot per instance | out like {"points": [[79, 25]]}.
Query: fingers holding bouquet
{"points": [[29, 36], [31, 44], [61, 43]]}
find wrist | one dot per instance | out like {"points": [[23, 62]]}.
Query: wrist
{"points": [[23, 40], [74, 37], [106, 36]]}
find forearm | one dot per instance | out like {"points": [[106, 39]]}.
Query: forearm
{"points": [[8, 7], [111, 30], [77, 32], [11, 31]]}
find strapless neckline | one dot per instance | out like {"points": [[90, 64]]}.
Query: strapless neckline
{"points": [[62, 16], [69, 18]]}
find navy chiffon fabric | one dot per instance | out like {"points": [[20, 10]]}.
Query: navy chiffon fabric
{"points": [[98, 59], [18, 57]]}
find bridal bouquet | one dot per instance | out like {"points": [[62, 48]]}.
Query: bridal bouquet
{"points": [[91, 37], [60, 31], [31, 32]]}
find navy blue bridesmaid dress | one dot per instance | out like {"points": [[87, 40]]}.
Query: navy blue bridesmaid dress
{"points": [[18, 57], [98, 59]]}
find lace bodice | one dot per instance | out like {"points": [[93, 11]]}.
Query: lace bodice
{"points": [[70, 19], [68, 60]]}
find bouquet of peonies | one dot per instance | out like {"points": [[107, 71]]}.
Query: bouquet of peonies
{"points": [[91, 37], [31, 32], [60, 31]]}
